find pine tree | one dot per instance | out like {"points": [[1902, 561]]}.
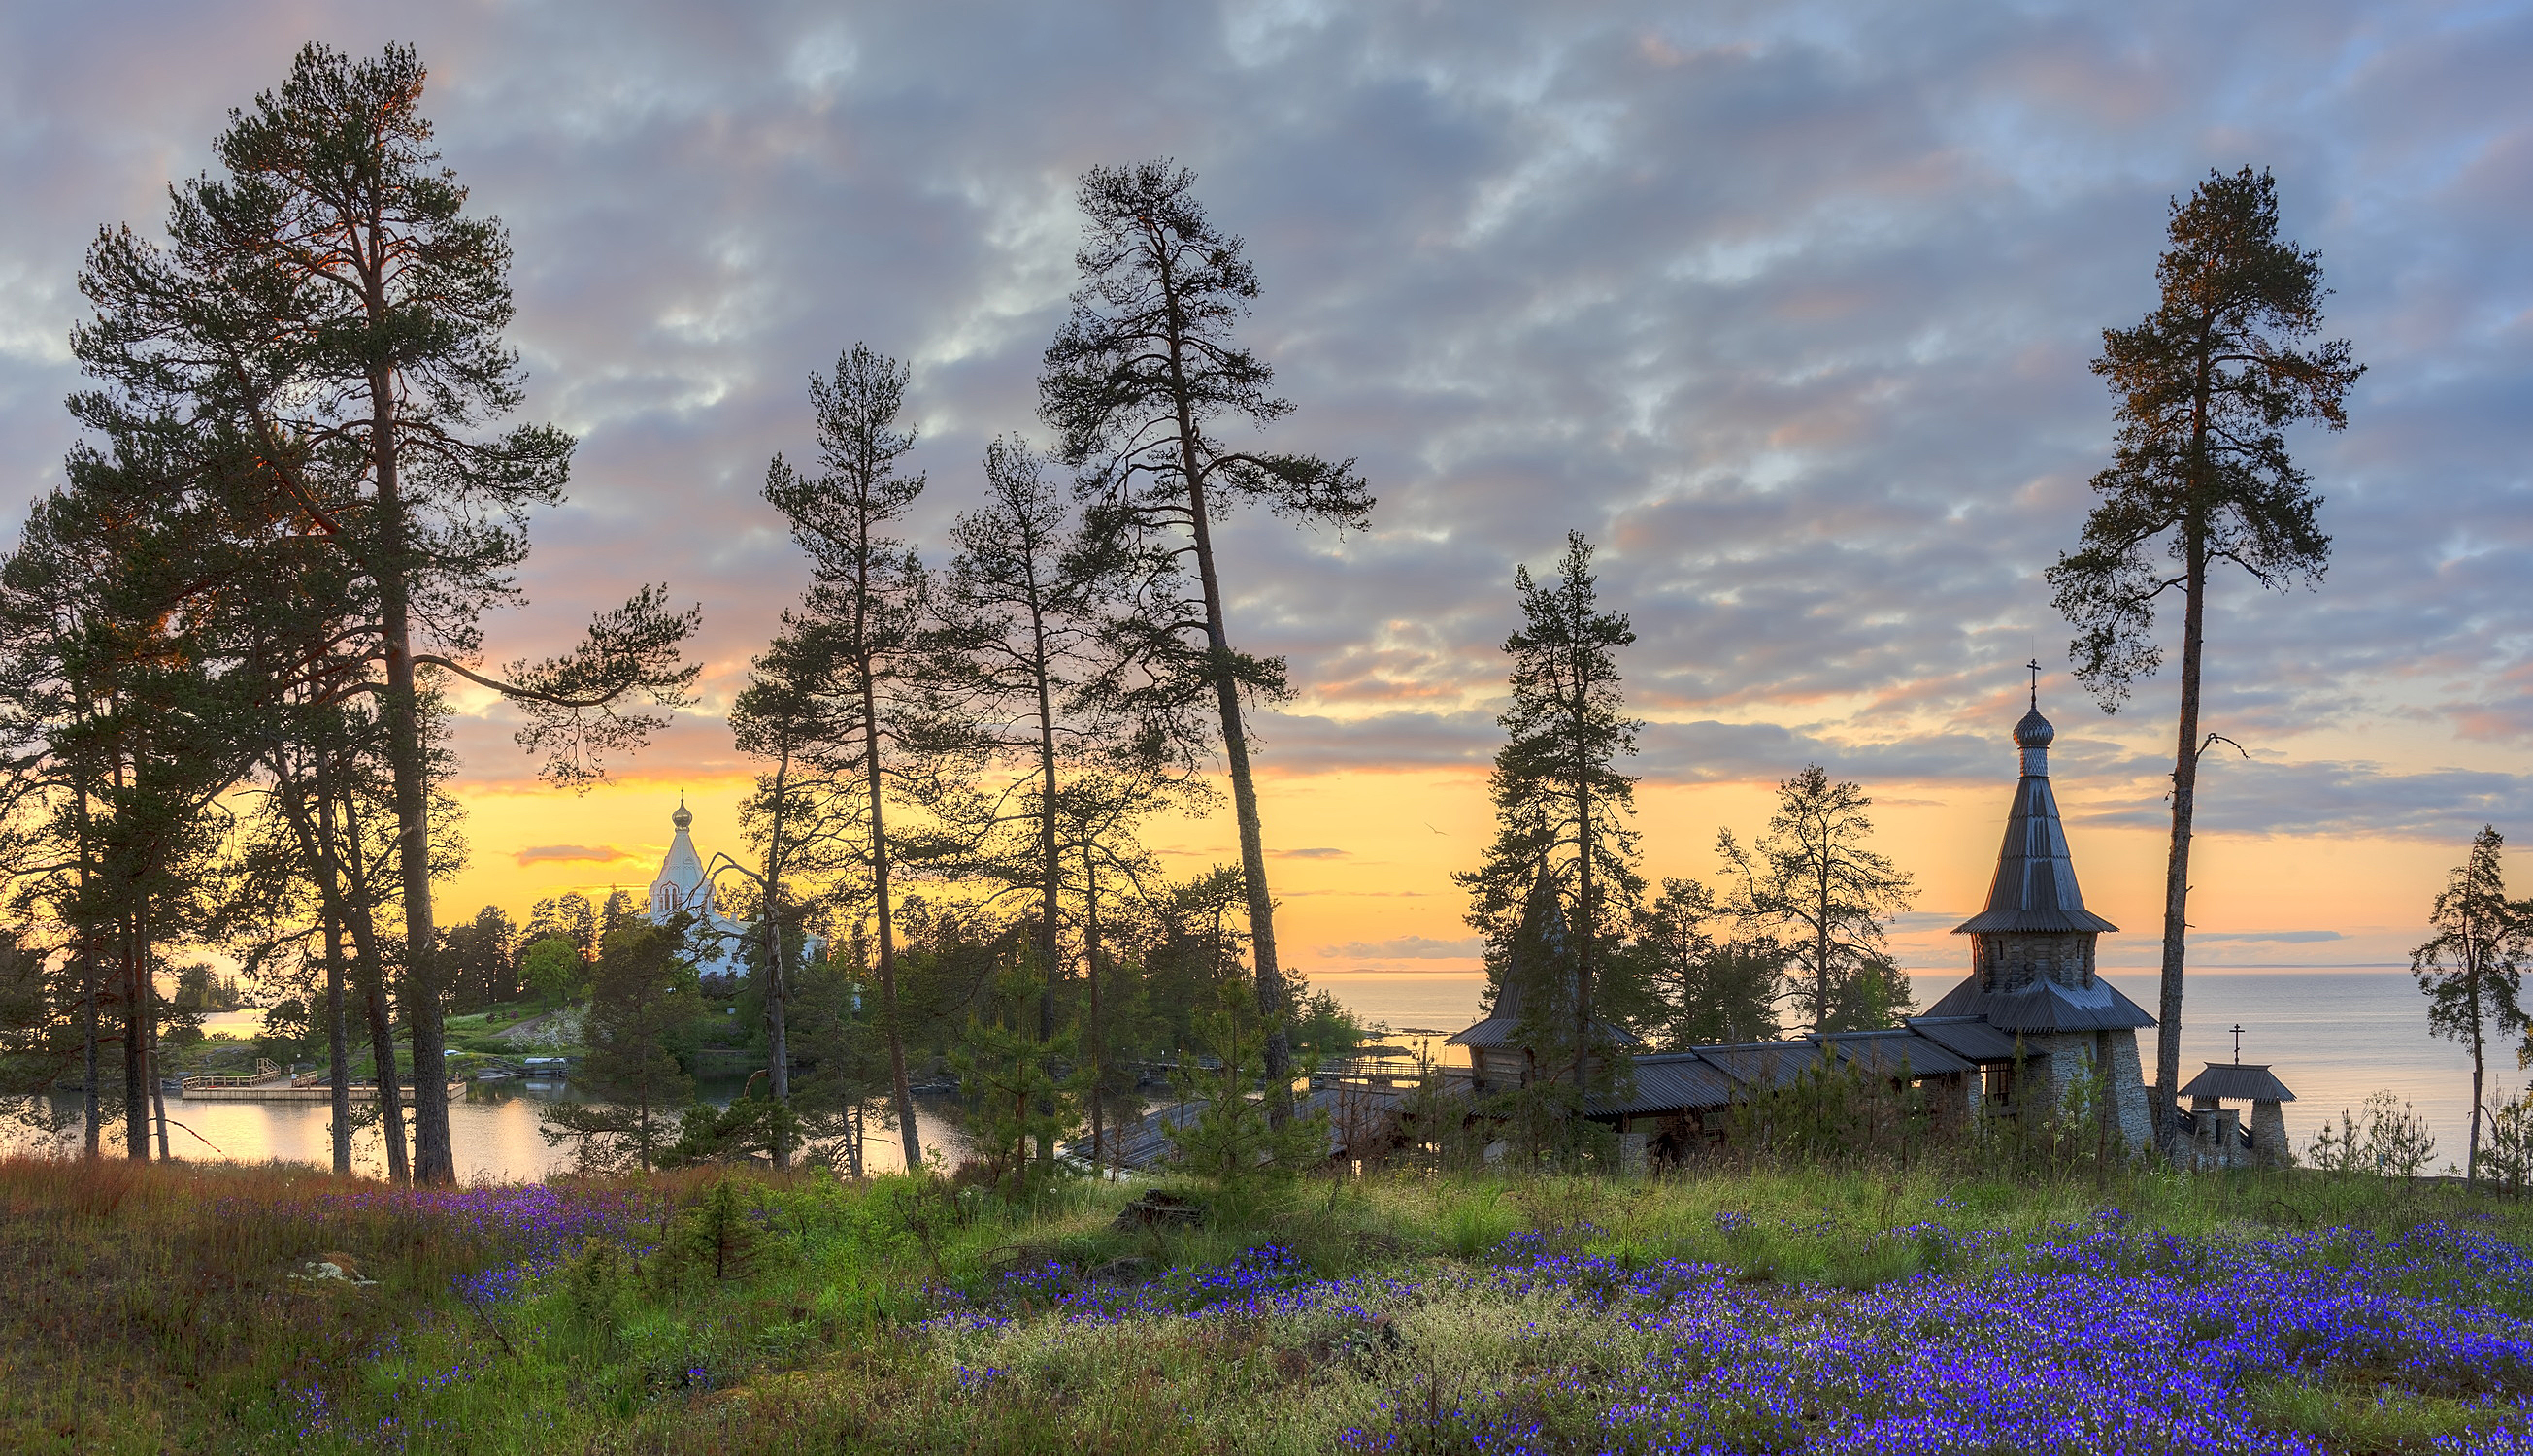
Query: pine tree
{"points": [[1562, 805], [855, 641], [1811, 876], [1706, 991], [1016, 649], [328, 305], [2207, 383], [2472, 970], [643, 989], [1138, 385]]}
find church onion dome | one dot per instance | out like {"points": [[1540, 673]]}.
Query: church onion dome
{"points": [[2035, 890], [682, 819]]}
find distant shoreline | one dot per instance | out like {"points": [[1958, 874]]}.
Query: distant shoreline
{"points": [[2144, 969]]}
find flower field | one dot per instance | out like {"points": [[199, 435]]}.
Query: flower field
{"points": [[1856, 1311]]}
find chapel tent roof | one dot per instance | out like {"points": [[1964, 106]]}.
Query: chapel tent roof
{"points": [[1502, 1024], [2239, 1081], [2044, 1005], [2035, 889], [684, 867]]}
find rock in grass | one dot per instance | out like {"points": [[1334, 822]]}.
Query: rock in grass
{"points": [[333, 1265], [1160, 1208], [1127, 1270]]}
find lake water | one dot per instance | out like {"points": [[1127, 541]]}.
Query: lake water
{"points": [[494, 1131], [2332, 1036]]}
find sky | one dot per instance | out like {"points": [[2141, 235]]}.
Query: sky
{"points": [[1788, 307]]}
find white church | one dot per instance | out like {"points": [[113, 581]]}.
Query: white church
{"points": [[683, 884]]}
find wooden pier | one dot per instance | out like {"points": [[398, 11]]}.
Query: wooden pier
{"points": [[272, 1085]]}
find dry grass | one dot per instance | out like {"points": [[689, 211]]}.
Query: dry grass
{"points": [[150, 1308]]}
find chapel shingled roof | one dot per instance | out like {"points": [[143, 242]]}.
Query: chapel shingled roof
{"points": [[2035, 889], [2238, 1082], [2044, 1005]]}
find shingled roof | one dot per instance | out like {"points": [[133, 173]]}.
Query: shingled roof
{"points": [[2044, 1005], [1667, 1081], [1893, 1053], [2239, 1081], [2035, 889], [1966, 1037]]}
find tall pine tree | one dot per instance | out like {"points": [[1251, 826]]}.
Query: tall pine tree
{"points": [[2472, 969], [2207, 383], [1561, 804], [1140, 384], [328, 302]]}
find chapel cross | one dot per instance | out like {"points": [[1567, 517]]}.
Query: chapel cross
{"points": [[2238, 1043], [2034, 666]]}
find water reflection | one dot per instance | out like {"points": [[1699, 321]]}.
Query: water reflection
{"points": [[2333, 1035], [493, 1128]]}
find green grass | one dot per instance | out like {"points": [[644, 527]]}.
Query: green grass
{"points": [[150, 1309]]}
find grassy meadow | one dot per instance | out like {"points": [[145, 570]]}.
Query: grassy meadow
{"points": [[171, 1307]]}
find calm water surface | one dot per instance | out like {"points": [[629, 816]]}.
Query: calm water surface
{"points": [[2332, 1036], [494, 1131]]}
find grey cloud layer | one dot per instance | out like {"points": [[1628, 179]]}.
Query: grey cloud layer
{"points": [[1790, 307]]}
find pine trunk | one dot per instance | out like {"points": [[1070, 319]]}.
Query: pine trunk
{"points": [[908, 1137], [1050, 862], [2471, 1151], [136, 1048], [434, 1159], [2176, 880], [1273, 999], [1092, 1048], [339, 1059], [345, 851], [778, 1038]]}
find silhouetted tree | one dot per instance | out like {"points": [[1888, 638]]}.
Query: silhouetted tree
{"points": [[1810, 874], [482, 956], [330, 303], [1018, 644], [1562, 805], [2472, 969], [855, 638], [1138, 384], [642, 989], [1705, 991], [2207, 383]]}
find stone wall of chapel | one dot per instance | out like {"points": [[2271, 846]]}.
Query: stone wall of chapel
{"points": [[2010, 961], [2055, 1061]]}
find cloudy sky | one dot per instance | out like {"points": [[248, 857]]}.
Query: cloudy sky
{"points": [[1788, 305]]}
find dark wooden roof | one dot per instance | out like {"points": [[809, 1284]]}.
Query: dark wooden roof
{"points": [[1893, 1053], [1497, 1030], [2238, 1082], [2044, 1005], [1670, 1079], [1755, 1064], [1966, 1037], [2035, 889]]}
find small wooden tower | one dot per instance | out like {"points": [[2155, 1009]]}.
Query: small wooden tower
{"points": [[2215, 1133], [1498, 1061]]}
